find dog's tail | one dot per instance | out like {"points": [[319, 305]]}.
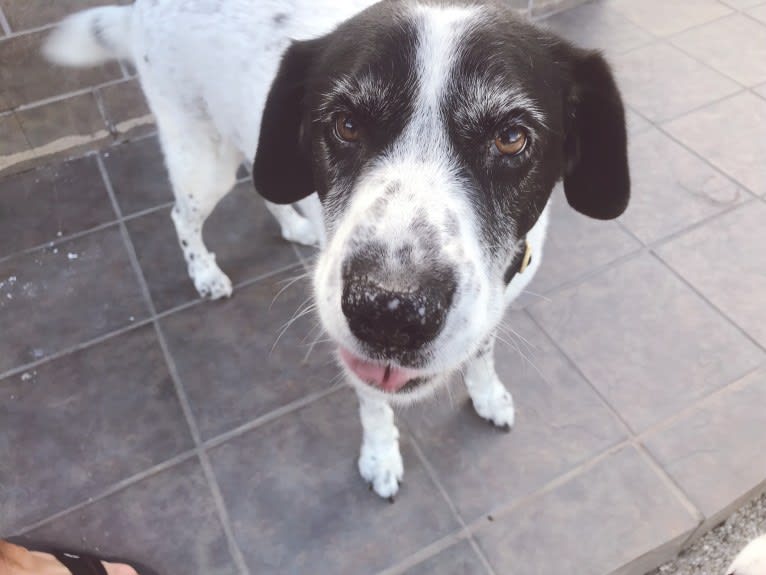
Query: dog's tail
{"points": [[91, 37]]}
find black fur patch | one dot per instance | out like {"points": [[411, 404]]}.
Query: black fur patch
{"points": [[568, 104]]}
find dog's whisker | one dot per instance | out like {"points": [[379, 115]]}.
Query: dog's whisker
{"points": [[307, 309], [541, 296], [314, 343], [513, 332], [288, 283]]}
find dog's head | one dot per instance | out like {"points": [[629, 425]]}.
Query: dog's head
{"points": [[434, 133]]}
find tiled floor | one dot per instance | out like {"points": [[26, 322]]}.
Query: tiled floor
{"points": [[140, 421]]}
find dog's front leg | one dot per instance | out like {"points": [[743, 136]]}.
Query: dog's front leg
{"points": [[490, 398], [380, 461]]}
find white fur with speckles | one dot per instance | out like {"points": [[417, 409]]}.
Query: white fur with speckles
{"points": [[206, 67]]}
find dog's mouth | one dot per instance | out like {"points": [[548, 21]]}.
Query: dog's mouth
{"points": [[386, 377]]}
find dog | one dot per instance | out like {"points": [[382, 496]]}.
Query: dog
{"points": [[751, 560], [433, 133], [207, 103]]}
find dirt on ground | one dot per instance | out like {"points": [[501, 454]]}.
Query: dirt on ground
{"points": [[713, 553]]}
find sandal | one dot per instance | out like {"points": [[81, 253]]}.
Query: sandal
{"points": [[81, 563]]}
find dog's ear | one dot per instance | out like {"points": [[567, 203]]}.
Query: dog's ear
{"points": [[596, 175], [282, 171]]}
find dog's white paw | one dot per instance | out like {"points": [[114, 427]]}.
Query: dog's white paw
{"points": [[496, 406], [209, 280], [383, 469], [300, 230]]}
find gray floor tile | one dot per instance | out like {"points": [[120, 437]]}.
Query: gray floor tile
{"points": [[167, 521], [664, 18], [759, 13], [735, 46], [761, 90], [560, 423], [24, 15], [635, 330], [138, 175], [726, 261], [739, 146], [241, 232], [741, 4], [54, 201], [661, 82], [576, 244], [230, 347], [621, 505], [77, 425], [594, 25], [715, 452], [298, 504], [460, 559], [25, 76], [55, 298], [672, 188], [636, 124]]}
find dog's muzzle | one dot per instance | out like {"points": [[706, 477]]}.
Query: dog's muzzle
{"points": [[394, 321]]}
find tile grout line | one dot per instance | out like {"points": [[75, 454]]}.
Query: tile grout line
{"points": [[425, 553], [183, 399], [504, 509], [73, 94], [451, 504], [663, 241], [270, 416], [591, 273], [58, 242], [613, 410], [101, 107], [4, 25], [183, 456], [737, 384], [710, 68], [660, 124], [699, 108], [74, 349], [111, 490], [672, 485], [135, 325], [29, 31], [725, 174], [715, 308]]}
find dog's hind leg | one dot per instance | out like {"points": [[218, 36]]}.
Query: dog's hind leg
{"points": [[312, 210], [202, 169], [295, 228], [490, 398], [380, 461]]}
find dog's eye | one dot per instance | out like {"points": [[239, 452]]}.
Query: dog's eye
{"points": [[511, 141], [346, 128]]}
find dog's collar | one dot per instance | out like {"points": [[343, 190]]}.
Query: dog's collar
{"points": [[520, 262]]}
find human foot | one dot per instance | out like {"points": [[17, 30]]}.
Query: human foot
{"points": [[16, 560]]}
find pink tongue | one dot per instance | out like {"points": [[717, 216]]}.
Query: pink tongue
{"points": [[386, 377]]}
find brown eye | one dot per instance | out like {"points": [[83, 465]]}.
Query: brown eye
{"points": [[511, 141], [346, 128]]}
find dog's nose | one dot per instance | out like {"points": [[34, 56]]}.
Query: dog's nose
{"points": [[393, 321]]}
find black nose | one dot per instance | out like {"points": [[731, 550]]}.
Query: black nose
{"points": [[394, 321]]}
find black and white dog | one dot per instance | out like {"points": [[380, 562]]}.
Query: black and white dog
{"points": [[433, 132]]}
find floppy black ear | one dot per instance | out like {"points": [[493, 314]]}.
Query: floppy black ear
{"points": [[282, 170], [596, 176]]}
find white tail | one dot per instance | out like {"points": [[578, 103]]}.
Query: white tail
{"points": [[91, 37]]}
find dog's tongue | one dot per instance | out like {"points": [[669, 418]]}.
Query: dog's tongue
{"points": [[385, 377]]}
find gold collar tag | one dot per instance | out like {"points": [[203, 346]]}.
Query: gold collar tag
{"points": [[527, 258]]}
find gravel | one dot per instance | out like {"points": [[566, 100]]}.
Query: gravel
{"points": [[715, 551]]}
